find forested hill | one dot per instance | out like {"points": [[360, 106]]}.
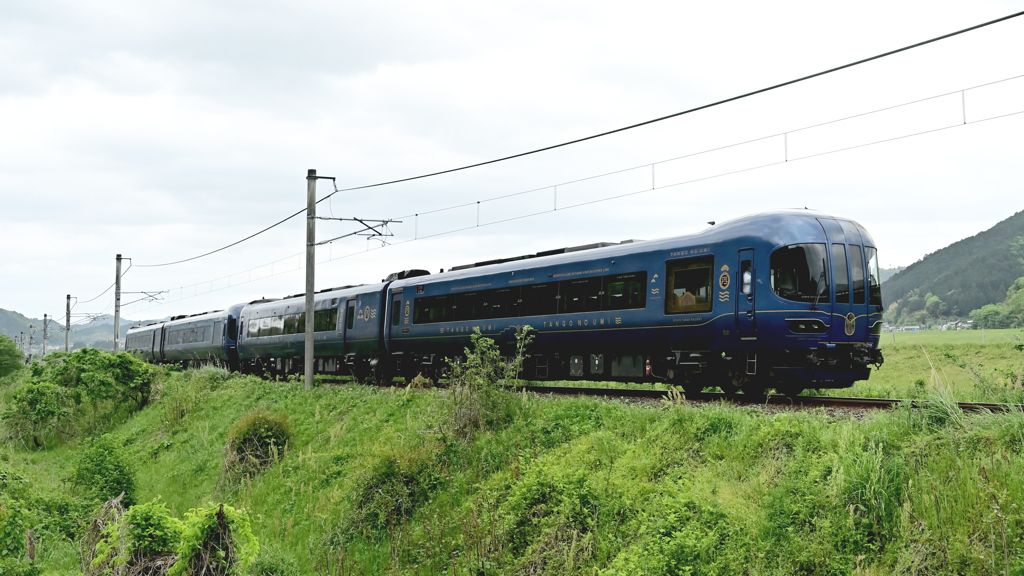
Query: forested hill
{"points": [[967, 274]]}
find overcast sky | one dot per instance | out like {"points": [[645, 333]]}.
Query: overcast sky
{"points": [[165, 130]]}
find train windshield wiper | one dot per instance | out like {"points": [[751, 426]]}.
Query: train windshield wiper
{"points": [[817, 287]]}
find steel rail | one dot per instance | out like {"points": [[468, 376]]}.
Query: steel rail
{"points": [[773, 399]]}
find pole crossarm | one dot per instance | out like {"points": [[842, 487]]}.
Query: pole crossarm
{"points": [[380, 228]]}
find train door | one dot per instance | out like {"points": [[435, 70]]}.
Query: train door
{"points": [[746, 323], [394, 327], [843, 313], [855, 321], [350, 322]]}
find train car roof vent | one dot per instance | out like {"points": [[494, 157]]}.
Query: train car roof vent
{"points": [[173, 318], [406, 274], [262, 300]]}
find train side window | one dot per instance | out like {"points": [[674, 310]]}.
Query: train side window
{"points": [[842, 274], [396, 311], [433, 309], [469, 306], [688, 285], [350, 316], [502, 303], [539, 299], [291, 324], [580, 296], [798, 273], [874, 286], [254, 328], [857, 268], [625, 291]]}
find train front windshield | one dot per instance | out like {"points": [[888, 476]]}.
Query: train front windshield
{"points": [[799, 273]]}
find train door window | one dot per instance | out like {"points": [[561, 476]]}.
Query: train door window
{"points": [[539, 299], [688, 285], [874, 286], [842, 274], [746, 277], [857, 268], [625, 291], [798, 273], [350, 316], [468, 306], [580, 296], [232, 329], [396, 311], [502, 303]]}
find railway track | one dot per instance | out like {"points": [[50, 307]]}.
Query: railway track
{"points": [[774, 399]]}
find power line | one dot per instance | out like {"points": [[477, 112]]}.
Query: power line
{"points": [[602, 134], [625, 194]]}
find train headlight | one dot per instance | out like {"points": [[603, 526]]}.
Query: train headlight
{"points": [[811, 326]]}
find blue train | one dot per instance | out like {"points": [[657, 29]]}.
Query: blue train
{"points": [[786, 300]]}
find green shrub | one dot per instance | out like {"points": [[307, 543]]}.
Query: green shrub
{"points": [[216, 540], [37, 411], [14, 521], [389, 495], [152, 531], [256, 440], [95, 376], [11, 359], [105, 471]]}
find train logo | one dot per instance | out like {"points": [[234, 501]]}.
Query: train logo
{"points": [[851, 324], [406, 309], [723, 296], [723, 281]]}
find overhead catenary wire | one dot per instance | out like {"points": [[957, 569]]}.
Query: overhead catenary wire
{"points": [[605, 133], [958, 124]]}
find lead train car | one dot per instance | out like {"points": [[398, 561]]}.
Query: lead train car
{"points": [[788, 300]]}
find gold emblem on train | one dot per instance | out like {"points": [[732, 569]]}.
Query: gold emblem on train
{"points": [[723, 281], [851, 324]]}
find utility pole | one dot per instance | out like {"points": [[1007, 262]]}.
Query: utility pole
{"points": [[117, 304], [67, 327], [310, 265], [30, 332], [46, 321]]}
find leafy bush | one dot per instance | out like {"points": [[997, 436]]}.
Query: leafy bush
{"points": [[37, 411], [256, 440], [11, 359], [480, 399], [14, 521], [217, 540], [95, 376], [105, 471], [152, 531], [387, 497]]}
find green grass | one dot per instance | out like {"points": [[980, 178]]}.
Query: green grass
{"points": [[1007, 336], [375, 479]]}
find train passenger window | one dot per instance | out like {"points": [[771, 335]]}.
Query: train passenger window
{"points": [[798, 273], [254, 328], [842, 274], [433, 309], [688, 285], [874, 286], [469, 306], [580, 296], [350, 316], [857, 268], [276, 325], [396, 311], [538, 299], [265, 326], [502, 303], [625, 291], [324, 320], [291, 324]]}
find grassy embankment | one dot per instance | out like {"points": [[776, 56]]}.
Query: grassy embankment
{"points": [[404, 481]]}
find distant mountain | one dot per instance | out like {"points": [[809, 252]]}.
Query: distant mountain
{"points": [[963, 276], [97, 333]]}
